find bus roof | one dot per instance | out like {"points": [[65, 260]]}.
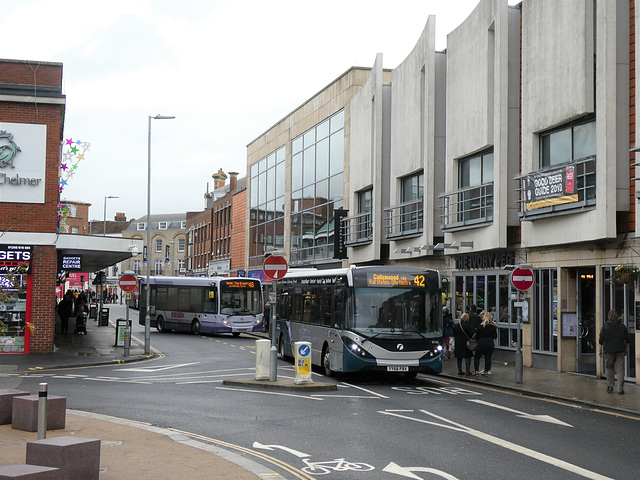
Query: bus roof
{"points": [[353, 270], [192, 281]]}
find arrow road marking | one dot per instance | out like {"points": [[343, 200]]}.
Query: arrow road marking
{"points": [[449, 424], [286, 449], [406, 471], [156, 369], [528, 416]]}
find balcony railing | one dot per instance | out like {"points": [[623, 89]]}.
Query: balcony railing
{"points": [[559, 188], [358, 229], [467, 207], [404, 220]]}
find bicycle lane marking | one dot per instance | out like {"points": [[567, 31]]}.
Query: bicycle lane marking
{"points": [[451, 425]]}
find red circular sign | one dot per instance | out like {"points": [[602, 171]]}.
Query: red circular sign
{"points": [[128, 283], [275, 267], [522, 278]]}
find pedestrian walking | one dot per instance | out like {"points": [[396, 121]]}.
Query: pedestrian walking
{"points": [[447, 324], [65, 309], [614, 340], [462, 333], [486, 333]]}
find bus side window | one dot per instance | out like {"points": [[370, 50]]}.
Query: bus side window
{"points": [[339, 305]]}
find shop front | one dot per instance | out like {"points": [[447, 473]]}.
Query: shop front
{"points": [[15, 293]]}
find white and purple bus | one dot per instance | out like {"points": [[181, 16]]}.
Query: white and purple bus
{"points": [[202, 304]]}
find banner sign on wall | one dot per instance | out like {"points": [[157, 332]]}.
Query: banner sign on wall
{"points": [[14, 256], [552, 187], [23, 151]]}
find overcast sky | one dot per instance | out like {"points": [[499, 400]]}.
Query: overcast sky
{"points": [[226, 69]]}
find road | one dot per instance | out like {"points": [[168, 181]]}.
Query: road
{"points": [[372, 427]]}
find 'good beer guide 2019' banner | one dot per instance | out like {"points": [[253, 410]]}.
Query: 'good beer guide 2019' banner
{"points": [[553, 187]]}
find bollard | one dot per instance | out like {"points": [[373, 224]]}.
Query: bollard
{"points": [[42, 411]]}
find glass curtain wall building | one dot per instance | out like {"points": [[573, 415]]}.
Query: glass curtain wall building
{"points": [[317, 189]]}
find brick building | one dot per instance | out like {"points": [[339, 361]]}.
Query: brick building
{"points": [[32, 250], [216, 235]]}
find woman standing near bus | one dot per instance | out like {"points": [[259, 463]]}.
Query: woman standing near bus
{"points": [[486, 333]]}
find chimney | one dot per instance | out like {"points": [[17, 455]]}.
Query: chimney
{"points": [[233, 183], [219, 179]]}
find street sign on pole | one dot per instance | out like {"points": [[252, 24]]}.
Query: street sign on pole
{"points": [[275, 267], [128, 283], [522, 278]]}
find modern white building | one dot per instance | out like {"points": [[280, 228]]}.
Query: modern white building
{"points": [[511, 147]]}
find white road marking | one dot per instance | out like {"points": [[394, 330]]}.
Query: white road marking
{"points": [[528, 416], [280, 447], [152, 369], [503, 443], [406, 471], [268, 392]]}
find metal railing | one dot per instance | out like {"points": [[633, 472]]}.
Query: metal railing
{"points": [[357, 229], [583, 194], [467, 207], [403, 220]]}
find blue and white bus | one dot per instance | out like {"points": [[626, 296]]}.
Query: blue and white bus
{"points": [[203, 305], [377, 318]]}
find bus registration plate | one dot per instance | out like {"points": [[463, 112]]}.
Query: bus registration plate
{"points": [[397, 369]]}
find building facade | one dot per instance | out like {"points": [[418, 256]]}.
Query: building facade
{"points": [[512, 147], [168, 245], [216, 234]]}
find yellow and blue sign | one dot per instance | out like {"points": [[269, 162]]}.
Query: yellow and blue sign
{"points": [[302, 363]]}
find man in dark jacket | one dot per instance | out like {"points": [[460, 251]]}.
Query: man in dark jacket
{"points": [[65, 309], [474, 318], [615, 340]]}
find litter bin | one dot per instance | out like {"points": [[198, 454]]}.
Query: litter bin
{"points": [[104, 318], [121, 331], [93, 311]]}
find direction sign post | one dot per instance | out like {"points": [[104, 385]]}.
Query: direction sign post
{"points": [[274, 267], [522, 280], [127, 283]]}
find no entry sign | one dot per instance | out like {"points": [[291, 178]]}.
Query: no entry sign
{"points": [[275, 267], [128, 283], [522, 278]]}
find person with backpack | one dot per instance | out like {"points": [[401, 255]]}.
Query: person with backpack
{"points": [[65, 309], [614, 340]]}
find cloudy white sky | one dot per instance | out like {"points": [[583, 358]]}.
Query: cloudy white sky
{"points": [[226, 69]]}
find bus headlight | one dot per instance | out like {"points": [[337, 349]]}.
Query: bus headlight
{"points": [[225, 322], [354, 348]]}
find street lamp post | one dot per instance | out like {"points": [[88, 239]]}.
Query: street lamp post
{"points": [[147, 319], [104, 217]]}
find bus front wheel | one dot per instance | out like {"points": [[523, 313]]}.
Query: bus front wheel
{"points": [[326, 362], [160, 325], [281, 354], [195, 327]]}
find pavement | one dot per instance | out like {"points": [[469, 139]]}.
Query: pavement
{"points": [[130, 449]]}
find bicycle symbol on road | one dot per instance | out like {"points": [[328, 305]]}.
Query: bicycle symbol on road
{"points": [[337, 465], [320, 468]]}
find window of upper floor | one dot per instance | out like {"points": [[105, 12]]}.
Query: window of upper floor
{"points": [[163, 225], [406, 219], [566, 178], [158, 246], [567, 144], [475, 170], [181, 244], [141, 226], [73, 210]]}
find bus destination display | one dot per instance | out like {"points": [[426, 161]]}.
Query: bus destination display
{"points": [[240, 284], [395, 280]]}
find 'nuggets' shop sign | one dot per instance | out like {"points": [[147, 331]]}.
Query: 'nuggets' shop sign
{"points": [[553, 187], [12, 257]]}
